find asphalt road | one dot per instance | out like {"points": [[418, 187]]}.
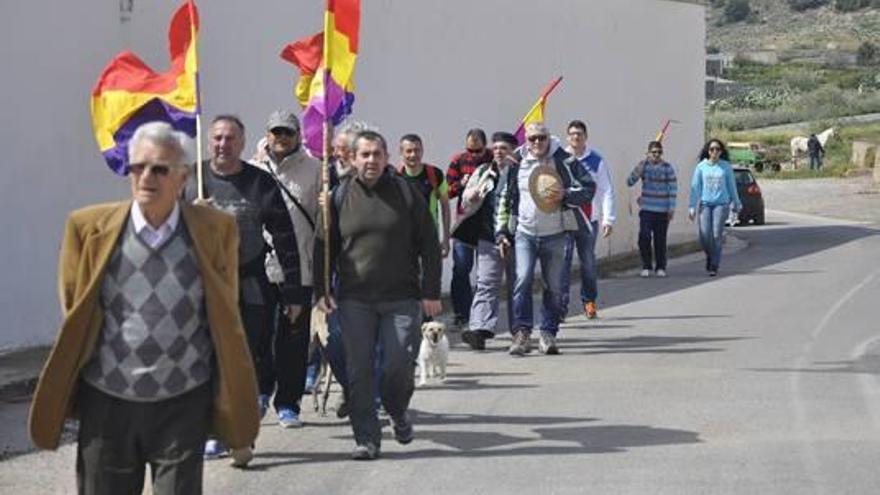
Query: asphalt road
{"points": [[763, 380]]}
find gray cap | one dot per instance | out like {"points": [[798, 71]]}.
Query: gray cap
{"points": [[283, 118]]}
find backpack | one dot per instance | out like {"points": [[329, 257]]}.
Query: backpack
{"points": [[433, 180]]}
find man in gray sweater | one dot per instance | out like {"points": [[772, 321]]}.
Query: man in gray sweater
{"points": [[386, 254]]}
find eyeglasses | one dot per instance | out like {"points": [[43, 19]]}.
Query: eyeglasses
{"points": [[714, 148], [537, 138], [656, 152], [157, 169], [283, 132]]}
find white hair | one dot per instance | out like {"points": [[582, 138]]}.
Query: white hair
{"points": [[162, 134], [351, 128], [536, 128]]}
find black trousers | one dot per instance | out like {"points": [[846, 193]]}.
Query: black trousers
{"points": [[653, 225], [118, 438], [284, 373], [258, 322]]}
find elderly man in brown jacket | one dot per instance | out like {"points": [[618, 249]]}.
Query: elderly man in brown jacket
{"points": [[151, 355]]}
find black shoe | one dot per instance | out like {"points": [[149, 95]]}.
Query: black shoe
{"points": [[403, 429], [713, 272], [342, 409], [475, 339]]}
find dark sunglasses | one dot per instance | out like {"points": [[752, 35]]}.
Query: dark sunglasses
{"points": [[656, 152], [283, 131], [156, 169], [537, 138]]}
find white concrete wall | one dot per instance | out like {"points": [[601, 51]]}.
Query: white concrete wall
{"points": [[435, 68]]}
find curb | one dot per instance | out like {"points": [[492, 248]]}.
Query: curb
{"points": [[19, 372]]}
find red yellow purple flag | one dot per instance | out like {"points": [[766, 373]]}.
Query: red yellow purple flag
{"points": [[536, 113], [330, 94], [129, 93]]}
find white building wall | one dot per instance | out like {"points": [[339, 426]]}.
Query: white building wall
{"points": [[425, 66]]}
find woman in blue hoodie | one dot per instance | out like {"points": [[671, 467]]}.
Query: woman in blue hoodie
{"points": [[713, 190]]}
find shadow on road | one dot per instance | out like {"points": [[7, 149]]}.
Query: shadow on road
{"points": [[570, 439], [767, 246], [643, 344]]}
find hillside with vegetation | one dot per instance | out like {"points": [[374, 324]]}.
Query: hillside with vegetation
{"points": [[792, 25], [790, 61]]}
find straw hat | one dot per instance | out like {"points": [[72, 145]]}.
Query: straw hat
{"points": [[543, 180]]}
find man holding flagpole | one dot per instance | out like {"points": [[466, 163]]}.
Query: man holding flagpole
{"points": [[254, 199]]}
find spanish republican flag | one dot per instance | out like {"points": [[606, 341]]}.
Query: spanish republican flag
{"points": [[326, 62], [536, 113], [129, 93]]}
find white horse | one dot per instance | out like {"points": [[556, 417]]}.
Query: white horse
{"points": [[799, 143]]}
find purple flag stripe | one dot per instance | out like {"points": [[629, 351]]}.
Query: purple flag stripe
{"points": [[155, 109], [337, 103]]}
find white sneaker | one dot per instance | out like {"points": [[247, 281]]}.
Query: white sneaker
{"points": [[661, 273], [547, 344], [645, 273]]}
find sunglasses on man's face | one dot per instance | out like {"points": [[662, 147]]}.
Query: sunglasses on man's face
{"points": [[157, 169], [537, 138], [283, 132]]}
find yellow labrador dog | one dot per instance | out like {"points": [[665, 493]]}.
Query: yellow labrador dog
{"points": [[434, 352]]}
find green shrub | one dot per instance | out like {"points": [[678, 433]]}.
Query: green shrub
{"points": [[737, 10], [802, 5]]}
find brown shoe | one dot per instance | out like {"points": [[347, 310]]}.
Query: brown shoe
{"points": [[590, 310]]}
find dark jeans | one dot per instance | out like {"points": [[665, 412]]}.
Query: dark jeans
{"points": [[118, 438], [394, 324], [285, 373], [460, 290], [815, 162], [653, 226], [584, 242]]}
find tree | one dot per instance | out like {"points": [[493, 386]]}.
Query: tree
{"points": [[737, 10]]}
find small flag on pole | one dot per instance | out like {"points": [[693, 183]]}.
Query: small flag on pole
{"points": [[536, 113]]}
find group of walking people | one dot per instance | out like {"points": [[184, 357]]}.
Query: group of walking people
{"points": [[188, 308]]}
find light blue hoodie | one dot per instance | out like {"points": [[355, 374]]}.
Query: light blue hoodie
{"points": [[714, 184]]}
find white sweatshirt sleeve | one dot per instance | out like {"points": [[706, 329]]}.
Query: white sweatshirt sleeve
{"points": [[604, 193]]}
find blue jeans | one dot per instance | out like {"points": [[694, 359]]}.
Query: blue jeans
{"points": [[460, 290], [584, 242], [712, 218], [815, 162], [550, 250]]}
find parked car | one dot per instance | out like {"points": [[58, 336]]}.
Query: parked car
{"points": [[750, 194]]}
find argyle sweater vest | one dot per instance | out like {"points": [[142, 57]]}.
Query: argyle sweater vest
{"points": [[154, 342]]}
